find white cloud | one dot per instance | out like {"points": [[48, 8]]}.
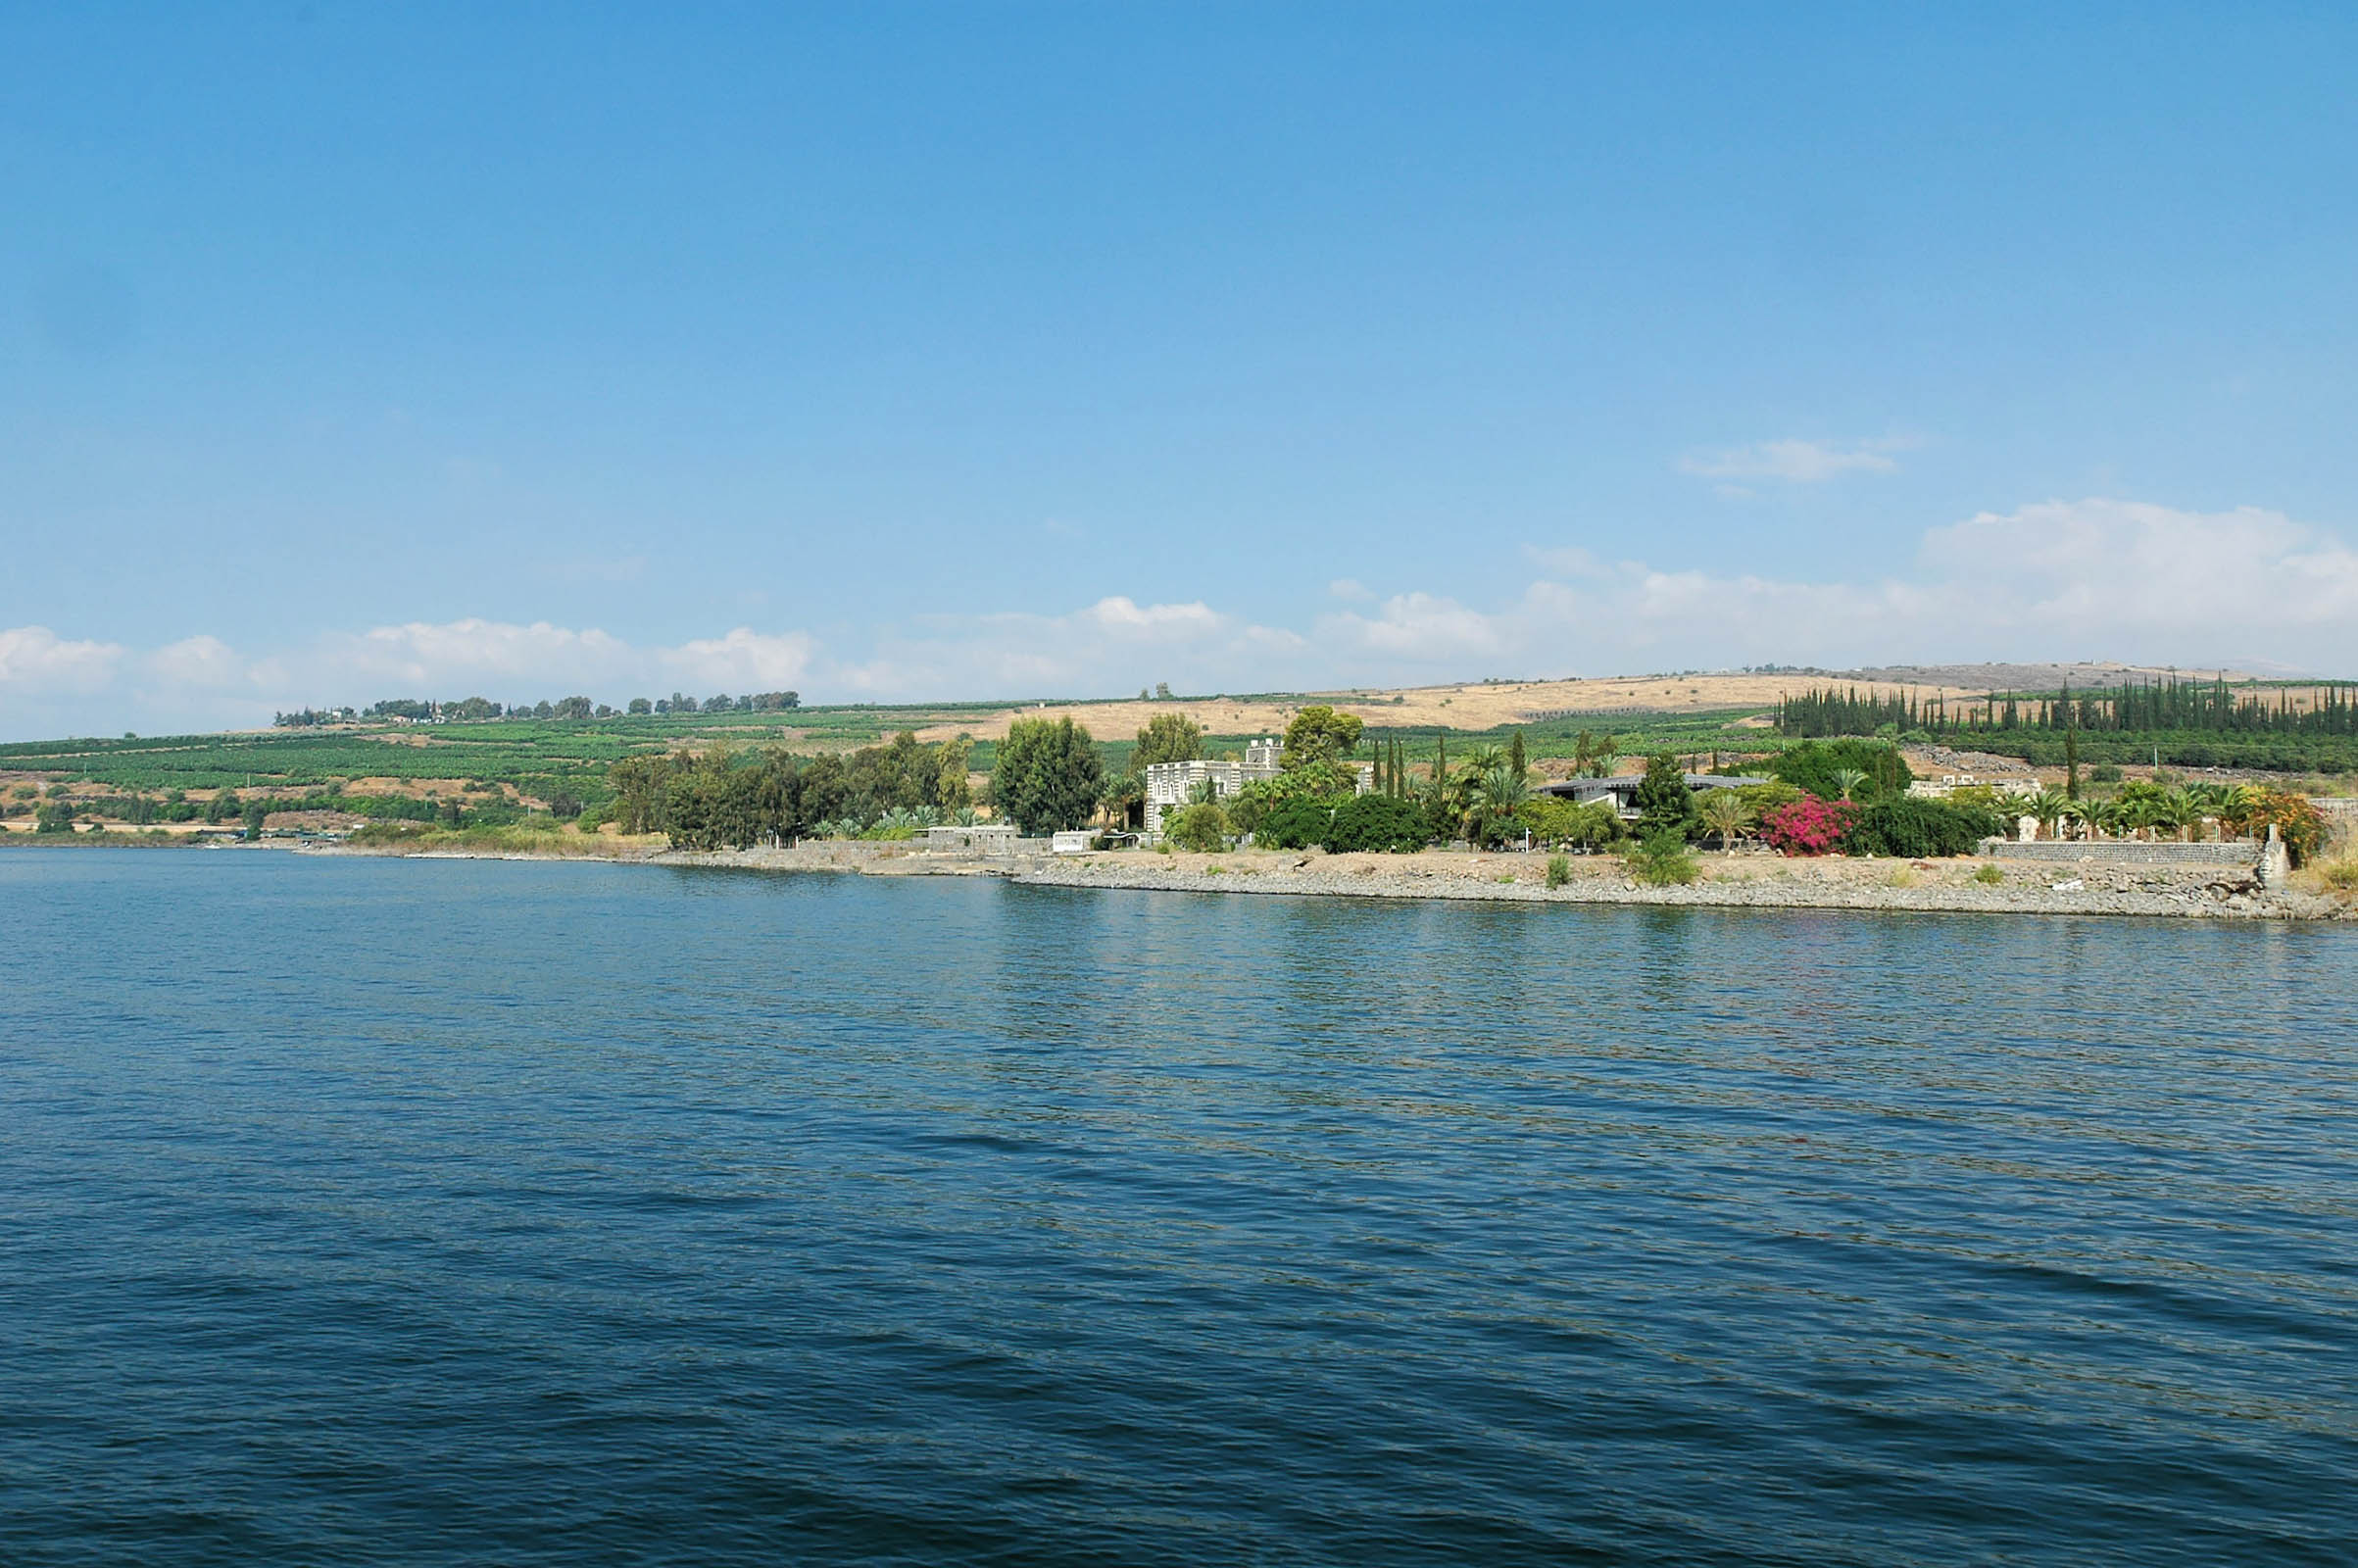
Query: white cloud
{"points": [[2090, 578], [35, 661], [1418, 627], [744, 660], [1796, 462], [2129, 579], [426, 654], [203, 663]]}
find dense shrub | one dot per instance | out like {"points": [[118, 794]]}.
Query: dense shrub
{"points": [[1916, 827], [1555, 820], [1376, 822], [1661, 859], [1293, 824], [1329, 783], [1807, 826], [2300, 824]]}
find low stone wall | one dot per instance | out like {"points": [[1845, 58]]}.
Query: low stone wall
{"points": [[2127, 852]]}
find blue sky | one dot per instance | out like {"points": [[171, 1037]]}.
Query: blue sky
{"points": [[998, 350]]}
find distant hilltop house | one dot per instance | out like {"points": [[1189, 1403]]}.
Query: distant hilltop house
{"points": [[1622, 793], [1170, 785]]}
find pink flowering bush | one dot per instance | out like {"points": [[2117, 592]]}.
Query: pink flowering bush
{"points": [[1807, 826]]}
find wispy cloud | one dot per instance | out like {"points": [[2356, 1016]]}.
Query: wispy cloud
{"points": [[1796, 462]]}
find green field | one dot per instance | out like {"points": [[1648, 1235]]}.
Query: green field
{"points": [[538, 758]]}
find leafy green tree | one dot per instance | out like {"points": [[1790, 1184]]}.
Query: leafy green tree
{"points": [[53, 816], [952, 792], [256, 812], [1817, 766], [1319, 734], [640, 708], [641, 786], [573, 708], [1167, 738], [1515, 757], [1048, 775], [1664, 801]]}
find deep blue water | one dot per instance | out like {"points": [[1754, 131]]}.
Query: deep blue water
{"points": [[361, 1211]]}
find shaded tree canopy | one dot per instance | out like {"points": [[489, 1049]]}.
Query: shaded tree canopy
{"points": [[1319, 734], [1168, 738]]}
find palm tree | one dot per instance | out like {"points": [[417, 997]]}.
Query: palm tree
{"points": [[1482, 759], [1497, 793], [2221, 803], [2178, 809], [1848, 780], [2049, 807], [1726, 813]]}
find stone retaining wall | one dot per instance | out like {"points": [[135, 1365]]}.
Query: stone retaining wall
{"points": [[2126, 852]]}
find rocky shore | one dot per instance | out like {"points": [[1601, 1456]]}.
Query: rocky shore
{"points": [[1741, 882]]}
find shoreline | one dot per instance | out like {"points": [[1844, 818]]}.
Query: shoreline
{"points": [[1886, 886]]}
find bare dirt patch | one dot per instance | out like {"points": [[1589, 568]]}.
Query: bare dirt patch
{"points": [[1487, 704], [1476, 706]]}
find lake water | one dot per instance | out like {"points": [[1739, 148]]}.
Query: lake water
{"points": [[385, 1211]]}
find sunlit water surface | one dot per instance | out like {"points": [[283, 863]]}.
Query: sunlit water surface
{"points": [[361, 1211]]}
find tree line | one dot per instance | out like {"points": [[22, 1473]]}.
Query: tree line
{"points": [[721, 798], [478, 710], [2168, 704]]}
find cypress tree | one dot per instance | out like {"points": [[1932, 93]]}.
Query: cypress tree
{"points": [[2071, 745], [1515, 759]]}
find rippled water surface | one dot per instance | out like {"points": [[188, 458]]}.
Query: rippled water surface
{"points": [[363, 1211]]}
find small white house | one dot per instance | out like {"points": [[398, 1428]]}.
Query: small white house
{"points": [[1074, 840]]}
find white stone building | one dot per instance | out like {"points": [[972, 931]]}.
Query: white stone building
{"points": [[1170, 785]]}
